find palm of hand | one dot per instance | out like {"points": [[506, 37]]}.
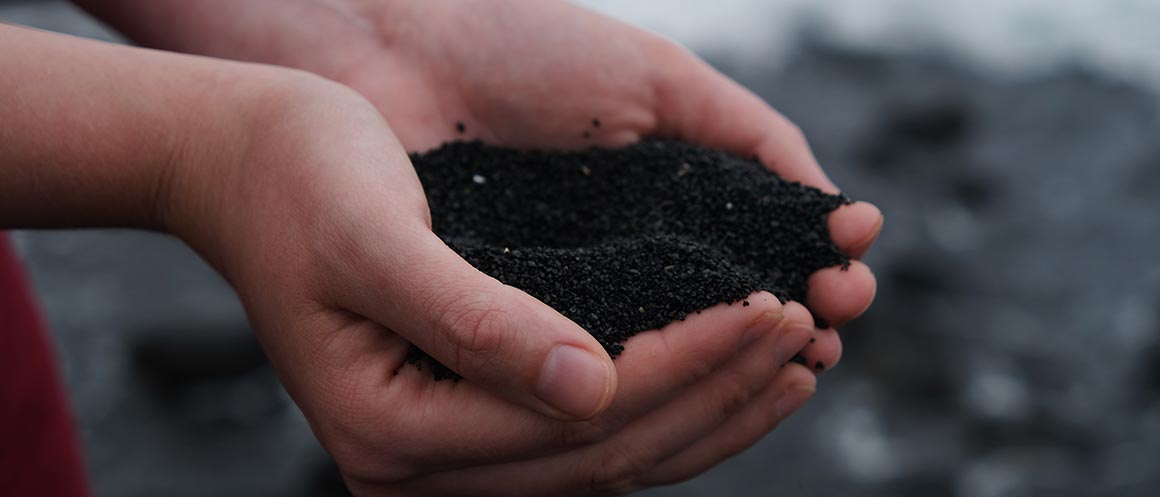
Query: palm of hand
{"points": [[540, 77]]}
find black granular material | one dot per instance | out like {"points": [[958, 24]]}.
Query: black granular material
{"points": [[629, 239]]}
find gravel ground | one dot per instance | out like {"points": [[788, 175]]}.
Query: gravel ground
{"points": [[1013, 350]]}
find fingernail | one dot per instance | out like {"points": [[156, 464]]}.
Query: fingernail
{"points": [[793, 399], [574, 382], [764, 323], [792, 341], [863, 245]]}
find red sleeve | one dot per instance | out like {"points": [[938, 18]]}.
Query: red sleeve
{"points": [[39, 451]]}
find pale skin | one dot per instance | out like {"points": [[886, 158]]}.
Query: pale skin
{"points": [[298, 191]]}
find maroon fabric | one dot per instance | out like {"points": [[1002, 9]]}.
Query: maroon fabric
{"points": [[39, 451]]}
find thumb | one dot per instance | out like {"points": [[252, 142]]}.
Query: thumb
{"points": [[703, 106], [492, 334]]}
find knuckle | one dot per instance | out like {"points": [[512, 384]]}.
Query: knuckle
{"points": [[612, 421], [693, 367], [699, 368], [582, 434], [480, 330], [619, 471], [737, 395], [794, 313]]}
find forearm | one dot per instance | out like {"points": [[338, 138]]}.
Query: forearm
{"points": [[302, 34], [95, 134]]}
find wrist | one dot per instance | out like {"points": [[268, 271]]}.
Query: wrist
{"points": [[266, 146], [103, 130]]}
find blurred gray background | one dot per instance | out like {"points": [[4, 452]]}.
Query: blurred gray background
{"points": [[1014, 349]]}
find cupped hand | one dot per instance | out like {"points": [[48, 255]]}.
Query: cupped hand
{"points": [[332, 251], [530, 73], [319, 222]]}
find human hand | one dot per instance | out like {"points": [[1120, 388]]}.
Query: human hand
{"points": [[321, 226], [686, 399]]}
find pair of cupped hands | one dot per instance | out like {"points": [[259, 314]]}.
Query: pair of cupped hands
{"points": [[321, 225]]}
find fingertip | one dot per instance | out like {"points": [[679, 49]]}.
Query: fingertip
{"points": [[839, 295], [855, 227], [824, 351]]}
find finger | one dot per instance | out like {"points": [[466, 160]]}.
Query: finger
{"points": [[656, 367], [854, 227], [493, 335], [685, 352], [788, 392], [699, 104], [838, 295], [824, 350], [611, 467]]}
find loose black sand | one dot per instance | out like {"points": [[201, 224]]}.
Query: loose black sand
{"points": [[627, 240]]}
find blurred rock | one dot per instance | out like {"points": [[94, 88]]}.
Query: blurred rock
{"points": [[973, 189], [913, 130], [1146, 182], [1149, 379], [176, 354], [327, 481]]}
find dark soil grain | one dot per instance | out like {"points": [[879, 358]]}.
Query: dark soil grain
{"points": [[627, 240]]}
